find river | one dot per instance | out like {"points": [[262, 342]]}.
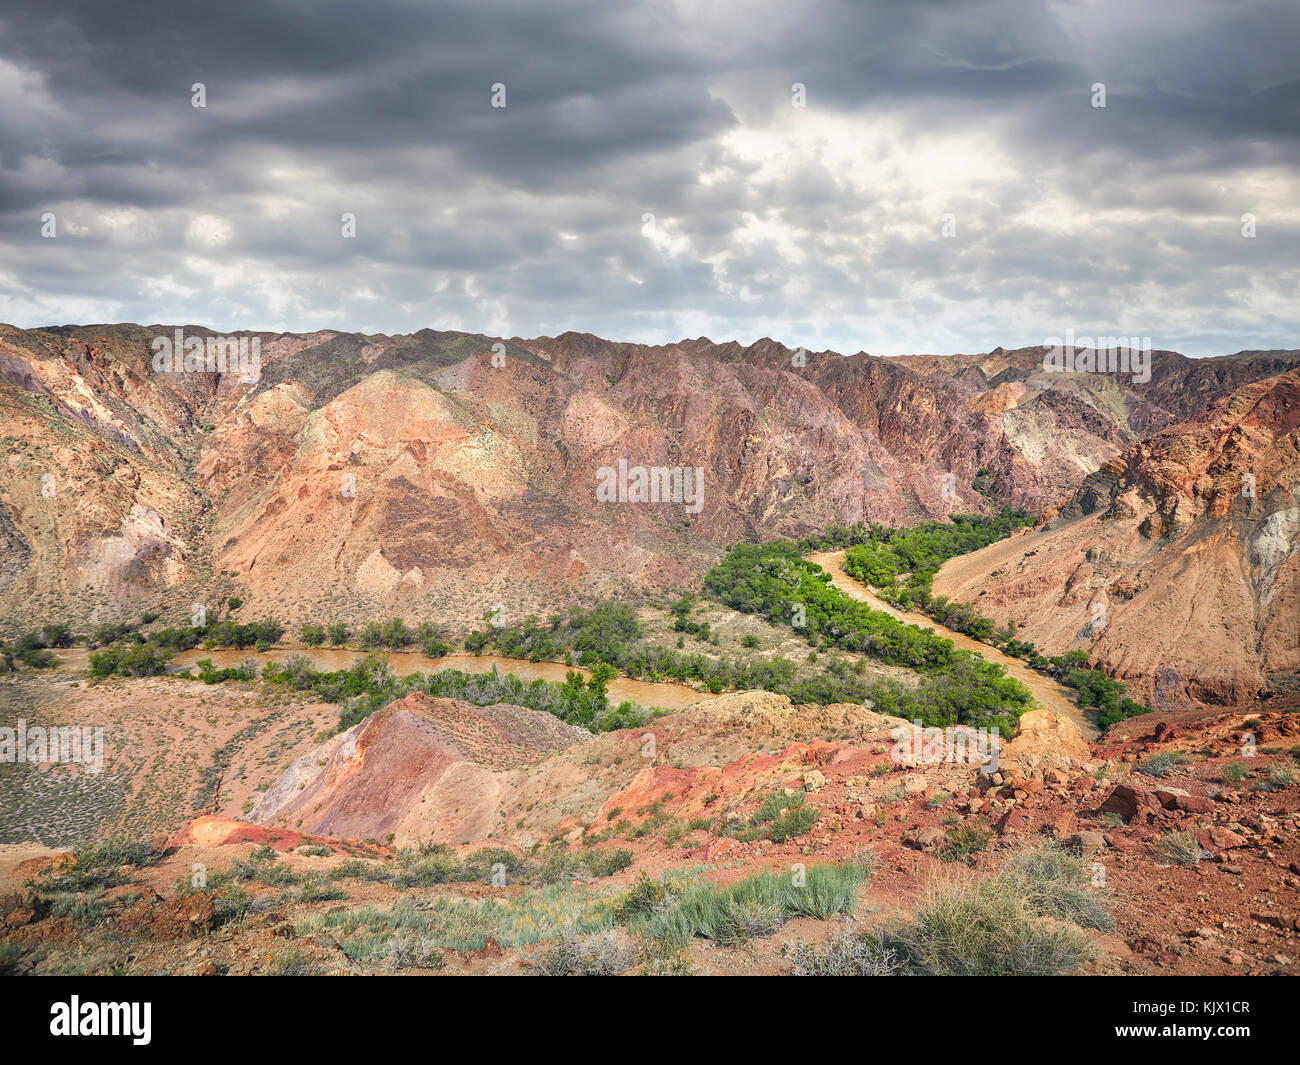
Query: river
{"points": [[328, 660], [1051, 694]]}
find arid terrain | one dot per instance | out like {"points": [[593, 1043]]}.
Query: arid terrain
{"points": [[446, 474], [563, 827], [1175, 565], [293, 808]]}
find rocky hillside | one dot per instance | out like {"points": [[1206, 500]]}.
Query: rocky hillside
{"points": [[1176, 565], [421, 768], [440, 474], [1159, 848]]}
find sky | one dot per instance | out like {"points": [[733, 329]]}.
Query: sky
{"points": [[890, 177]]}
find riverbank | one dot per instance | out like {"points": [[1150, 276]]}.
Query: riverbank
{"points": [[1051, 694]]}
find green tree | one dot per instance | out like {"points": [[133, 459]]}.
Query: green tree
{"points": [[313, 635]]}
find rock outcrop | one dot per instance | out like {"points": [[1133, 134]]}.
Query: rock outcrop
{"points": [[419, 769], [441, 474], [1176, 567]]}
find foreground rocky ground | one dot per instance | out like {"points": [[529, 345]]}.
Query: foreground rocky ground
{"points": [[1171, 846]]}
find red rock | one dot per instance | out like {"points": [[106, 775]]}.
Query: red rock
{"points": [[178, 918], [1014, 820], [1120, 841], [1065, 825], [1088, 842], [20, 916], [1276, 920], [1126, 800], [928, 838], [1216, 838]]}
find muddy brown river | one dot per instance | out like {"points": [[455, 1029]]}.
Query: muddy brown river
{"points": [[1051, 694], [328, 660]]}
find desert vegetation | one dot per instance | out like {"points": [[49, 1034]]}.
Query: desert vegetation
{"points": [[956, 686], [900, 565]]}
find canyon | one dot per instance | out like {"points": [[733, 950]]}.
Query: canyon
{"points": [[442, 474], [450, 477]]}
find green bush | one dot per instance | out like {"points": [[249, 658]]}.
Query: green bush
{"points": [[1053, 881], [961, 841], [129, 660], [1179, 848], [97, 865], [1162, 764], [731, 915], [845, 953], [982, 928]]}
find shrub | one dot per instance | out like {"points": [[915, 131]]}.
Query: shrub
{"points": [[430, 640], [982, 928], [779, 818], [646, 898], [97, 865], [298, 671], [1162, 764], [315, 888], [414, 950], [293, 962], [1179, 847], [1053, 881], [846, 953], [394, 634], [597, 954], [312, 635], [1280, 776], [128, 660], [757, 905], [962, 841], [56, 634]]}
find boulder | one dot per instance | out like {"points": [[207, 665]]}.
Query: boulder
{"points": [[1194, 804], [1216, 838], [813, 780], [1013, 821], [1087, 842], [1127, 800]]}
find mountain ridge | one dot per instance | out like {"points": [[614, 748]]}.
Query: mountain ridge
{"points": [[473, 461]]}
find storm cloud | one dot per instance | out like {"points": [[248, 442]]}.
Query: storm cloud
{"points": [[946, 185]]}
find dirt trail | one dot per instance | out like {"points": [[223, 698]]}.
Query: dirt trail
{"points": [[1051, 695]]}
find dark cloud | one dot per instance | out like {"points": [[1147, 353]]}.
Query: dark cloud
{"points": [[820, 226]]}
